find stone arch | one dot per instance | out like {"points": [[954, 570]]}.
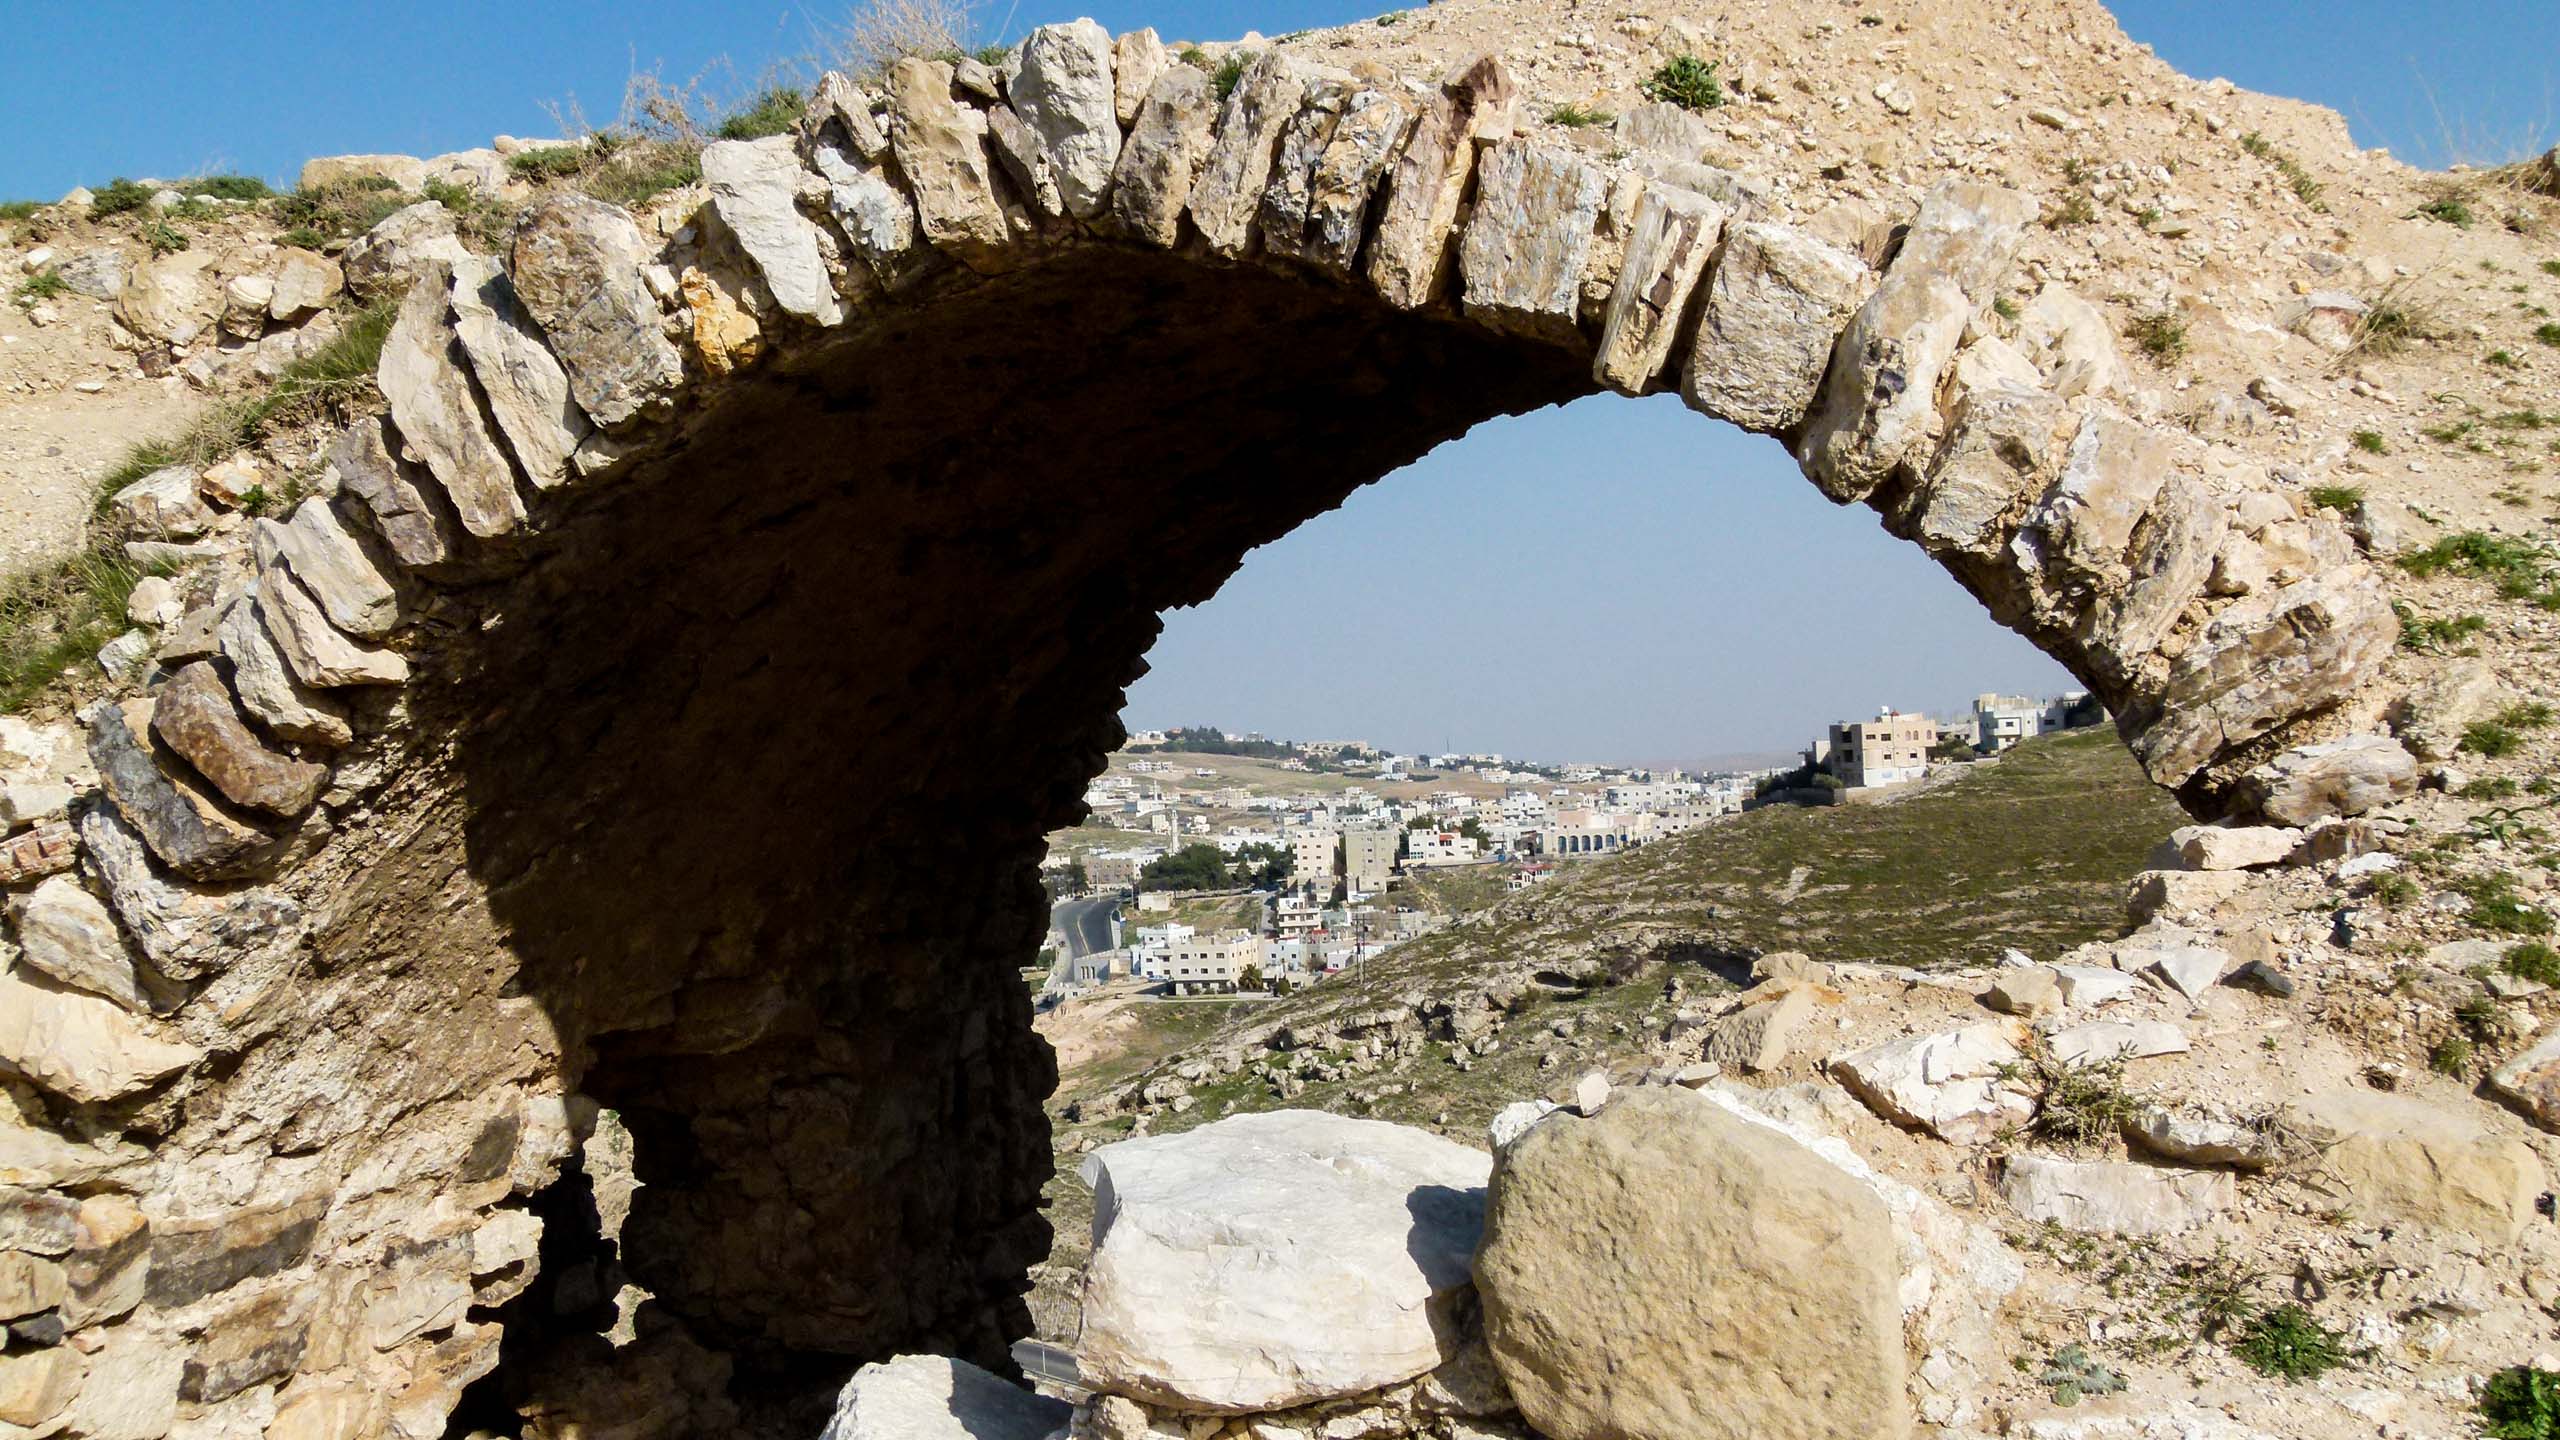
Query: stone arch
{"points": [[662, 714]]}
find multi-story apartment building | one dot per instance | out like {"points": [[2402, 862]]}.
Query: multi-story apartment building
{"points": [[1209, 963], [1368, 859], [1891, 749], [1311, 861]]}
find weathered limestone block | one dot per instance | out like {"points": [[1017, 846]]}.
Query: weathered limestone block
{"points": [[325, 658], [1768, 1305], [576, 268], [28, 1284], [36, 1386], [2030, 993], [37, 1221], [268, 688], [2180, 894], [1138, 60], [1228, 195], [839, 107], [164, 504], [169, 299], [725, 333], [194, 1258], [755, 190], [2265, 660], [187, 830], [194, 716], [1332, 160], [2171, 561], [1673, 132], [1757, 1036], [48, 849], [2195, 1138], [2074, 545], [65, 933], [1411, 255], [1537, 210], [1017, 151], [394, 493], [877, 216], [1777, 301], [1168, 144], [388, 258], [2394, 1160], [82, 1048], [929, 1397], [110, 1250], [1955, 1084], [42, 767], [132, 1393], [2343, 777], [186, 933], [2434, 715], [1061, 85], [332, 564], [941, 147], [437, 408], [246, 1342], [2232, 847], [2112, 1197], [304, 282], [528, 392], [2098, 1042], [1880, 399], [1277, 1259], [1668, 245], [2072, 344]]}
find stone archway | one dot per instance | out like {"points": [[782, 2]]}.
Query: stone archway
{"points": [[664, 713]]}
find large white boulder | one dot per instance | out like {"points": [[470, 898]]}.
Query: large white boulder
{"points": [[1266, 1261], [1958, 1085], [932, 1397], [2107, 1197]]}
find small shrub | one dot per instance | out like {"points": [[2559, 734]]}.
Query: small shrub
{"points": [[2005, 308], [163, 237], [2160, 334], [2533, 960], [2548, 333], [19, 209], [457, 198], [1224, 79], [2396, 321], [2496, 907], [228, 187], [1578, 117], [116, 197], [2288, 1342], [635, 173], [2521, 1403], [2072, 1372], [548, 162], [2451, 1058], [1198, 59], [1392, 17], [56, 617], [303, 237], [2487, 787], [2502, 360], [2490, 739], [2075, 208], [771, 113], [2336, 497], [2370, 442], [2438, 633], [2080, 1104], [2394, 890], [1686, 81], [2450, 209]]}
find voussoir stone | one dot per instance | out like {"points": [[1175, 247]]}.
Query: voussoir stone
{"points": [[395, 494], [428, 384], [1668, 244], [1411, 257], [65, 932], [575, 266], [396, 251], [1271, 1260], [1537, 209], [330, 562], [877, 216], [194, 715], [1168, 143], [755, 190], [187, 933], [1228, 196], [1778, 299], [941, 147], [1331, 161], [931, 1397], [1670, 1271], [1062, 85], [318, 652], [2270, 658], [186, 829], [268, 689], [1880, 399], [1138, 59], [528, 392]]}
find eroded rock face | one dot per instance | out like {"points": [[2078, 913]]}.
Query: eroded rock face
{"points": [[1268, 1261], [1768, 1305]]}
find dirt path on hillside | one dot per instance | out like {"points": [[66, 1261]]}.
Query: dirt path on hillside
{"points": [[57, 437]]}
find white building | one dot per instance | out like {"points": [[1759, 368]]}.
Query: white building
{"points": [[1210, 964], [1368, 859], [1424, 848], [1311, 860]]}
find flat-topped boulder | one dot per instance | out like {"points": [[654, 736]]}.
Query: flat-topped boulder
{"points": [[1272, 1260]]}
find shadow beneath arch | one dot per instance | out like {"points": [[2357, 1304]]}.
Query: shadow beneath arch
{"points": [[751, 773]]}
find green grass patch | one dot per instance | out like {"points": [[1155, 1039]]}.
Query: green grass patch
{"points": [[1686, 81], [228, 187], [2370, 442], [2075, 208], [2296, 178], [2337, 497], [2451, 1057], [2533, 960], [2548, 332], [1578, 117], [56, 617], [2435, 634], [2288, 1342], [2519, 570], [772, 112], [2450, 209], [2521, 1403], [341, 211], [1229, 72], [548, 162], [45, 284], [20, 209], [2496, 907], [2502, 734]]}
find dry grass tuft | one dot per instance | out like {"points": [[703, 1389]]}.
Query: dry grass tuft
{"points": [[879, 33]]}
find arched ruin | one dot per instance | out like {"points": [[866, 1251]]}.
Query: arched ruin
{"points": [[665, 712]]}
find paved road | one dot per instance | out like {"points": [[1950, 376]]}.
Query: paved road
{"points": [[1086, 924]]}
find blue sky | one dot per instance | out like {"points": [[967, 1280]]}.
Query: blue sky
{"points": [[1717, 604]]}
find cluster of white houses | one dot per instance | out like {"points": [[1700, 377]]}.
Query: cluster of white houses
{"points": [[1895, 747]]}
